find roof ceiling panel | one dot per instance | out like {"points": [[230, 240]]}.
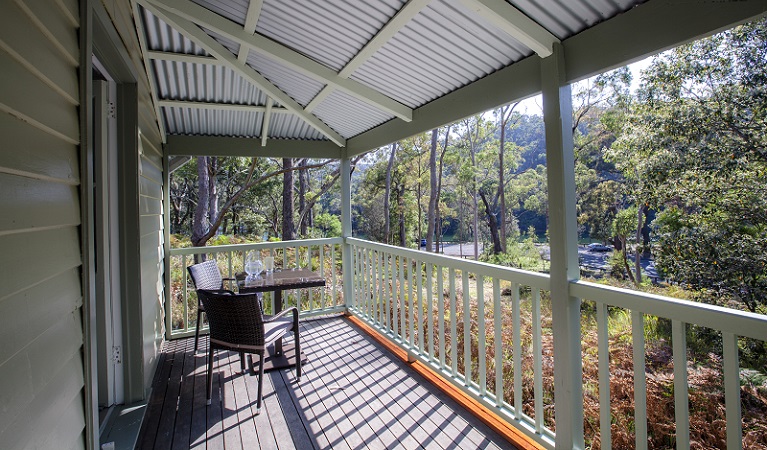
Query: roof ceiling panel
{"points": [[212, 122], [566, 18], [441, 49], [349, 116], [328, 31], [162, 37], [289, 126], [234, 10]]}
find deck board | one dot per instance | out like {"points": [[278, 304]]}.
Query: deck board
{"points": [[353, 395]]}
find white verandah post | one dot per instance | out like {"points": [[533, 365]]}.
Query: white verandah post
{"points": [[346, 229], [557, 116]]}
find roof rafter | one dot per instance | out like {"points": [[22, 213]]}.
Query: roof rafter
{"points": [[220, 52], [221, 106], [515, 23], [303, 64], [251, 20], [265, 122], [182, 57], [403, 16]]}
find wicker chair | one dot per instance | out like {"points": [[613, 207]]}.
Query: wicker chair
{"points": [[205, 275], [237, 323]]}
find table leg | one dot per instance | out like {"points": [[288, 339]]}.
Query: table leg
{"points": [[277, 309]]}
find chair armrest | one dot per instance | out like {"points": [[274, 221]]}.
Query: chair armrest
{"points": [[283, 313], [218, 291]]}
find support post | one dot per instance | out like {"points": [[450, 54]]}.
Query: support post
{"points": [[557, 116], [346, 228]]}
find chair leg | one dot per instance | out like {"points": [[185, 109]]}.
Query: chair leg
{"points": [[298, 356], [197, 329], [210, 373], [242, 362], [260, 381]]}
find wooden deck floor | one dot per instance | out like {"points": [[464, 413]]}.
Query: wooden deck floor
{"points": [[353, 395]]}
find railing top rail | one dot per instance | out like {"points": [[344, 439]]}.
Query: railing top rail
{"points": [[255, 246], [524, 277], [740, 323]]}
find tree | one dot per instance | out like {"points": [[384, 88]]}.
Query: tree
{"points": [[431, 216], [387, 191], [698, 133]]}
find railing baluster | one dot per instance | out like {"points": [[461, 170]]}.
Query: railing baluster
{"points": [[453, 323], [381, 311], [481, 335], [321, 269], [497, 337], [441, 316], [309, 296], [681, 405], [640, 380], [466, 329], [517, 357], [732, 390], [411, 338], [333, 286], [419, 296], [537, 360], [401, 302], [389, 290], [430, 309], [365, 283], [603, 352]]}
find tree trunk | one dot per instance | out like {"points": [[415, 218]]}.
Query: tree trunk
{"points": [[213, 189], [199, 220], [475, 205], [638, 256], [501, 184], [431, 213], [303, 188], [626, 261], [288, 228], [493, 224], [401, 208], [387, 192], [438, 213]]}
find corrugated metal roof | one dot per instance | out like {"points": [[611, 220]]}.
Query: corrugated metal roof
{"points": [[204, 83], [444, 47], [349, 116], [328, 31], [212, 122], [441, 49]]}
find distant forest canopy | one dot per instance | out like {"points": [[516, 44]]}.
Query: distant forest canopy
{"points": [[672, 165]]}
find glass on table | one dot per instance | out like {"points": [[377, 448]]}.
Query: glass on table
{"points": [[269, 264]]}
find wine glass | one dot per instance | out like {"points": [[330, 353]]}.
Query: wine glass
{"points": [[253, 265]]}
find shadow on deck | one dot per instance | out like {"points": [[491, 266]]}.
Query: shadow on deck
{"points": [[353, 395]]}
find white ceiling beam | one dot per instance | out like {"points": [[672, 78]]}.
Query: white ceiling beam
{"points": [[221, 106], [249, 147], [296, 61], [515, 23], [181, 57], [195, 33], [265, 122], [403, 16], [148, 67], [251, 20]]}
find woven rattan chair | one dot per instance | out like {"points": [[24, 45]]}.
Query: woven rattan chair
{"points": [[205, 275], [237, 323]]}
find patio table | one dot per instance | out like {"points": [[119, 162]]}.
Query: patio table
{"points": [[278, 281]]}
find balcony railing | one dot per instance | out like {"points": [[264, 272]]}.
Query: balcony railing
{"points": [[488, 329], [319, 255]]}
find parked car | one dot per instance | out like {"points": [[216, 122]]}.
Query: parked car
{"points": [[423, 242], [596, 247]]}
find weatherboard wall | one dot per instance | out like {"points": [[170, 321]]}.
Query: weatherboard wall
{"points": [[41, 337]]}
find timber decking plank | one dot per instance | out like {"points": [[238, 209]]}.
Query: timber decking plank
{"points": [[198, 425], [353, 395], [167, 423], [336, 398], [181, 431]]}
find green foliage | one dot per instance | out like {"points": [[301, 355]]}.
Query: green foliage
{"points": [[328, 225]]}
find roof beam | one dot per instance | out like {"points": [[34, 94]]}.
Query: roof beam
{"points": [[178, 145], [303, 64], [610, 44], [403, 16], [221, 106], [220, 52], [515, 23], [265, 122], [251, 20], [139, 22], [183, 57]]}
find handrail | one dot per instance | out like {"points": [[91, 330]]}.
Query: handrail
{"points": [[255, 246], [741, 323], [533, 279]]}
